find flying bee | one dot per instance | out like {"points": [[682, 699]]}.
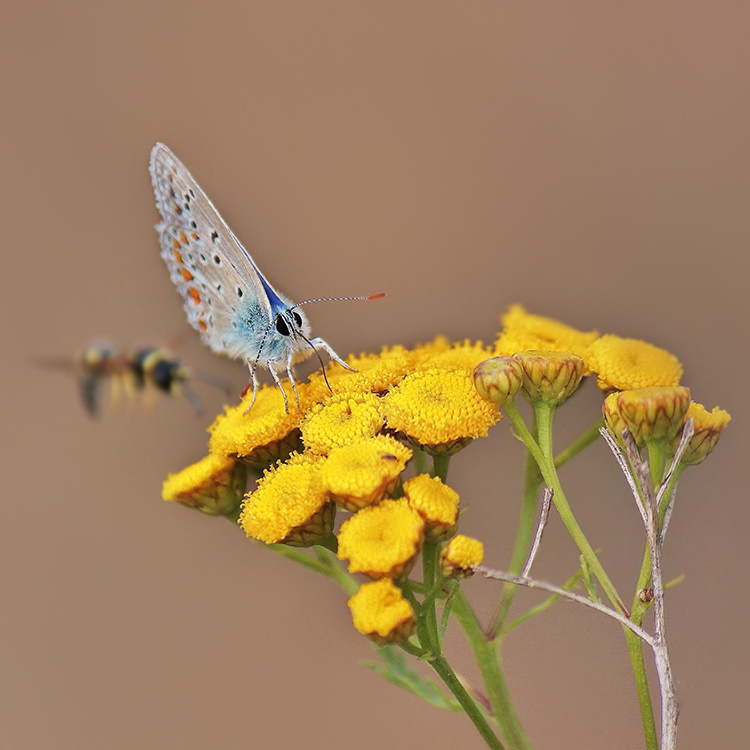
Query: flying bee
{"points": [[156, 369], [136, 374]]}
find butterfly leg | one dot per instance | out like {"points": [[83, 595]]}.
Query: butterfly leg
{"points": [[253, 382], [276, 380], [290, 375], [318, 343]]}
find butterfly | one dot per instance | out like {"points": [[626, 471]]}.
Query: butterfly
{"points": [[227, 299]]}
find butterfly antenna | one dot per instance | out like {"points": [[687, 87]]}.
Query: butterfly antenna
{"points": [[380, 295]]}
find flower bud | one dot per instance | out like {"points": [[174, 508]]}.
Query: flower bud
{"points": [[498, 379], [460, 556], [655, 413], [552, 377], [615, 424], [707, 427]]}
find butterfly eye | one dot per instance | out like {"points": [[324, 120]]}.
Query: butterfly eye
{"points": [[297, 318], [281, 326]]}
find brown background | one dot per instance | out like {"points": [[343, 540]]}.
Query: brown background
{"points": [[589, 160]]}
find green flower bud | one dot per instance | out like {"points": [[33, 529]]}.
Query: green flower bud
{"points": [[550, 376], [655, 413], [498, 379]]}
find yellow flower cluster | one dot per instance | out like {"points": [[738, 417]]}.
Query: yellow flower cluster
{"points": [[348, 449], [642, 380], [347, 439], [619, 364], [341, 444]]}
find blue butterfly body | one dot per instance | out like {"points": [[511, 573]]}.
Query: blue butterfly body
{"points": [[226, 297]]}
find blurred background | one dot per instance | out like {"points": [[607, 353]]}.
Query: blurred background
{"points": [[588, 160]]}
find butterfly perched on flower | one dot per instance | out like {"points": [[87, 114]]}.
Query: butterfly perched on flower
{"points": [[226, 297]]}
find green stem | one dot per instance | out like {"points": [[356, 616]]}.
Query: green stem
{"points": [[430, 553], [543, 455], [584, 441], [485, 653], [448, 676], [524, 536], [656, 452], [635, 653], [335, 570], [639, 609], [526, 523], [440, 467]]}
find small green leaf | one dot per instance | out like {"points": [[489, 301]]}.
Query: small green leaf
{"points": [[396, 670]]}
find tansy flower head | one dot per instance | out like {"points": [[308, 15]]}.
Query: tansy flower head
{"points": [[340, 420], [465, 356], [376, 373], [382, 540], [625, 364], [214, 485], [460, 556], [439, 410], [380, 612], [549, 376], [290, 505], [264, 434], [364, 472], [649, 413], [522, 331], [498, 379], [708, 426], [436, 503]]}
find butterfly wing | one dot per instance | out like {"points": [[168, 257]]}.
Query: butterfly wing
{"points": [[226, 298]]}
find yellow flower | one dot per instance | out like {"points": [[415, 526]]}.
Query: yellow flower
{"points": [[649, 413], [376, 373], [364, 472], [290, 505], [465, 356], [439, 410], [460, 556], [380, 612], [265, 433], [340, 420], [522, 331], [436, 503], [382, 540], [708, 426], [550, 376], [625, 364], [214, 485]]}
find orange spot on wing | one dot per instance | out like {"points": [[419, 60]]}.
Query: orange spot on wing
{"points": [[202, 325], [177, 255], [186, 274], [183, 238], [176, 244], [195, 296], [195, 236]]}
